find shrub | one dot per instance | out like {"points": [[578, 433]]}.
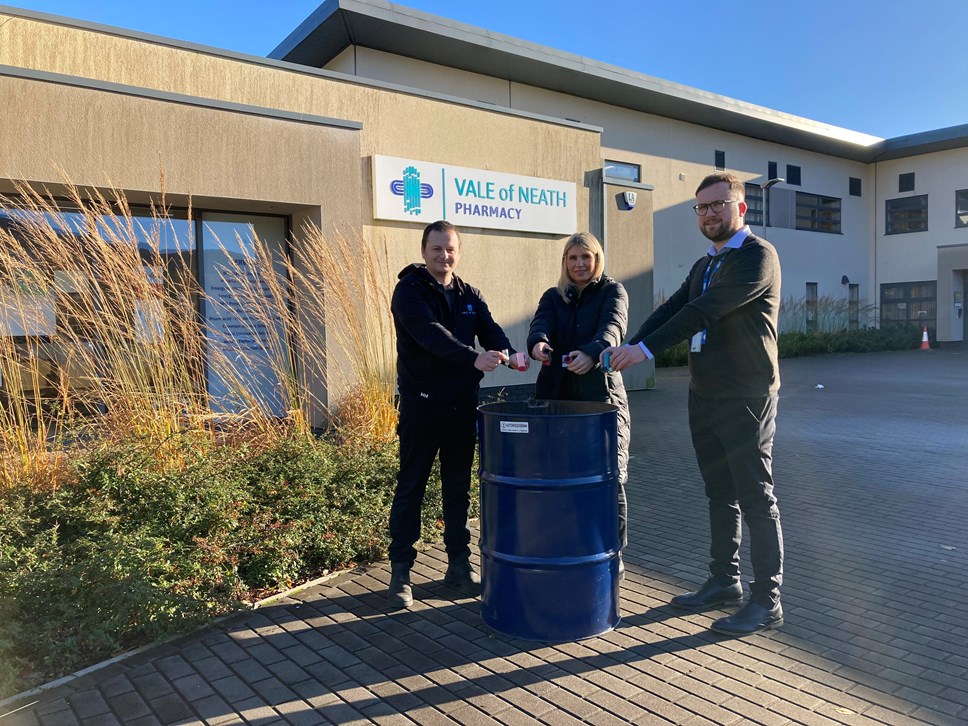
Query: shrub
{"points": [[154, 514], [798, 344], [133, 551]]}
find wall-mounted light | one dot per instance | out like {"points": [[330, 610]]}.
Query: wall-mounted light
{"points": [[844, 280]]}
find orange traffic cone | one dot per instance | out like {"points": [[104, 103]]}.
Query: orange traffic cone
{"points": [[924, 339]]}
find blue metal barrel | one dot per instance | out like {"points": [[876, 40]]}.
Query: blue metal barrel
{"points": [[549, 519]]}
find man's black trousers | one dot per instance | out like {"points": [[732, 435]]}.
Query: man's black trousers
{"points": [[426, 428], [733, 439]]}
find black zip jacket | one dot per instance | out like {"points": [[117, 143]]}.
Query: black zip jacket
{"points": [[435, 344]]}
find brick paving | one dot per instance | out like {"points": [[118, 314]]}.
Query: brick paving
{"points": [[872, 481]]}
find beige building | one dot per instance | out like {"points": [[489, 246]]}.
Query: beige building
{"points": [[370, 114]]}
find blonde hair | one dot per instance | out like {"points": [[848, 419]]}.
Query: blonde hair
{"points": [[587, 241]]}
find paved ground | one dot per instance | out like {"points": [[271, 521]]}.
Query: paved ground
{"points": [[872, 480]]}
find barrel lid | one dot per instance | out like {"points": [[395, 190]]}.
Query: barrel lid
{"points": [[541, 407]]}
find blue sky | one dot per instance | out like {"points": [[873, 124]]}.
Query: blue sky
{"points": [[882, 67]]}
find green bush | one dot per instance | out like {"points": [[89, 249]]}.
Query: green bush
{"points": [[677, 355], [135, 551], [798, 344]]}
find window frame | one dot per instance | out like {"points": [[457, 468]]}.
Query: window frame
{"points": [[755, 197], [822, 215], [811, 307], [961, 208], [909, 303], [615, 164], [903, 205]]}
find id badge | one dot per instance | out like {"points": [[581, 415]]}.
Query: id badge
{"points": [[695, 345]]}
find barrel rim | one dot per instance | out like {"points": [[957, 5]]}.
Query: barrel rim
{"points": [[602, 408]]}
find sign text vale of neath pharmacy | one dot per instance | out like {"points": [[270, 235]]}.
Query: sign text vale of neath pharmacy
{"points": [[420, 191]]}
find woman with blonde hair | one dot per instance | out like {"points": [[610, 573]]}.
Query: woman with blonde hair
{"points": [[576, 320]]}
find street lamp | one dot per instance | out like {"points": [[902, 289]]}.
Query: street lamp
{"points": [[765, 186]]}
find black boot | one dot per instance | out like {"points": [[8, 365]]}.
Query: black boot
{"points": [[399, 594], [752, 618], [710, 595], [461, 576]]}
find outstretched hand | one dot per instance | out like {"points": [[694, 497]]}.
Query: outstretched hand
{"points": [[489, 360], [581, 362], [519, 362], [542, 351], [623, 356]]}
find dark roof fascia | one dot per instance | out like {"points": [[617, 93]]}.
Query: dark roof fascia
{"points": [[928, 142], [338, 24]]}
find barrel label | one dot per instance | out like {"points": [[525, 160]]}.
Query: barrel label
{"points": [[514, 427]]}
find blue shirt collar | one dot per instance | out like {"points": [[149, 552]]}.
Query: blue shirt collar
{"points": [[735, 242]]}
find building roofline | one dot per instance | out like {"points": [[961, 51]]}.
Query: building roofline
{"points": [[926, 142], [179, 98], [338, 24], [285, 65], [380, 25]]}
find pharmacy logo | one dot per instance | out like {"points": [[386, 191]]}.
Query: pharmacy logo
{"points": [[411, 190]]}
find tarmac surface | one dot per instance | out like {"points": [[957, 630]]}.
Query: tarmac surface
{"points": [[872, 481]]}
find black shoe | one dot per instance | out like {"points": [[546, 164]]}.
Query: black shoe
{"points": [[708, 596], [399, 594], [461, 576], [752, 618]]}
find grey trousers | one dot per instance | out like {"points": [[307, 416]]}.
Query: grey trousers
{"points": [[733, 439]]}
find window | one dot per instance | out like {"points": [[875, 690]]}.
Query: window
{"points": [[237, 327], [74, 304], [905, 182], [623, 170], [853, 306], [57, 310], [907, 214], [754, 204], [812, 307], [961, 208], [855, 188], [817, 213], [909, 303], [793, 175], [771, 170], [721, 160]]}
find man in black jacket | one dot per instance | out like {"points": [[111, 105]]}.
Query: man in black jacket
{"points": [[727, 308], [437, 317]]}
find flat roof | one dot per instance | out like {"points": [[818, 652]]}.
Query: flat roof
{"points": [[338, 24]]}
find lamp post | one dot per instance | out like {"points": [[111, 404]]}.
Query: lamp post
{"points": [[765, 186]]}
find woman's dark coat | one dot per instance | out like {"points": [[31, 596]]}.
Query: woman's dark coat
{"points": [[589, 321]]}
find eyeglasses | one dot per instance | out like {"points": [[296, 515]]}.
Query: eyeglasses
{"points": [[717, 206]]}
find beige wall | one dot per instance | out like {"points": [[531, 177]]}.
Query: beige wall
{"points": [[952, 278], [504, 265], [628, 250], [912, 257], [674, 157], [205, 157], [98, 138]]}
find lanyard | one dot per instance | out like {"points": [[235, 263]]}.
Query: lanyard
{"points": [[699, 339], [710, 272]]}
